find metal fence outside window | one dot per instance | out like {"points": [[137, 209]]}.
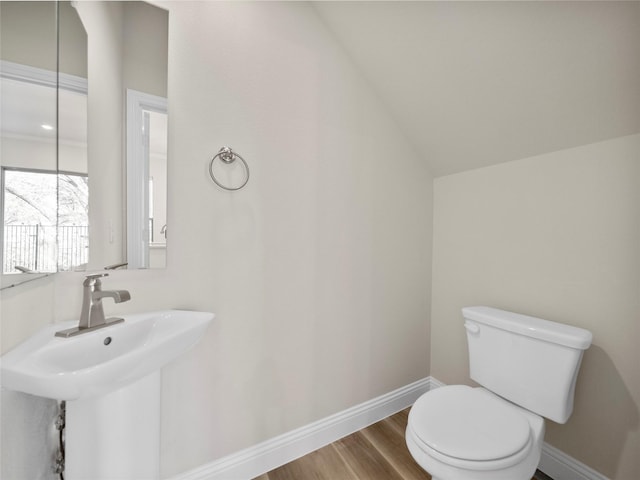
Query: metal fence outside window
{"points": [[33, 247]]}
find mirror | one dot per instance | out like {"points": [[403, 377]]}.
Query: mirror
{"points": [[124, 55], [43, 154], [127, 59]]}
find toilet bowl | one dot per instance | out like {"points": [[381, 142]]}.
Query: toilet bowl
{"points": [[463, 433]]}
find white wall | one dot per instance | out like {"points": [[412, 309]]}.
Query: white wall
{"points": [[26, 441], [318, 271], [554, 236]]}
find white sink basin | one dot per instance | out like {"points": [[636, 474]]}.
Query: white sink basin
{"points": [[101, 361]]}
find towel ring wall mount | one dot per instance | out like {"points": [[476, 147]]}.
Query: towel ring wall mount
{"points": [[227, 156]]}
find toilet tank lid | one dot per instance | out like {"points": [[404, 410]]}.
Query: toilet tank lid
{"points": [[546, 330]]}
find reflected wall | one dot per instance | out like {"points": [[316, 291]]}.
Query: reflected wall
{"points": [[127, 49]]}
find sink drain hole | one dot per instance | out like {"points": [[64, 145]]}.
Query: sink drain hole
{"points": [[107, 340]]}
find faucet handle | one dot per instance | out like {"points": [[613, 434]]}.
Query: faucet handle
{"points": [[93, 278]]}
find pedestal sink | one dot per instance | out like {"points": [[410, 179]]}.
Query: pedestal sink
{"points": [[110, 379]]}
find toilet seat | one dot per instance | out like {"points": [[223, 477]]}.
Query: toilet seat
{"points": [[470, 428]]}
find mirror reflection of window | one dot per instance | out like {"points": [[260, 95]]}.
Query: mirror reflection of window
{"points": [[31, 217], [73, 221]]}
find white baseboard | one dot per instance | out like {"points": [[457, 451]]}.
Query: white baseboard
{"points": [[266, 456], [560, 466]]}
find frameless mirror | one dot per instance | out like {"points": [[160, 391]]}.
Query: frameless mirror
{"points": [[59, 194], [43, 150], [127, 76]]}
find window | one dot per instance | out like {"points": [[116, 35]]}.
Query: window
{"points": [[34, 223]]}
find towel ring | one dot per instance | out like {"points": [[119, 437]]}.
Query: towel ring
{"points": [[228, 156]]}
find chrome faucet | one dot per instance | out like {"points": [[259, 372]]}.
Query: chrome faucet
{"points": [[92, 314]]}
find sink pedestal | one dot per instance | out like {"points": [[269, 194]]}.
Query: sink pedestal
{"points": [[116, 435]]}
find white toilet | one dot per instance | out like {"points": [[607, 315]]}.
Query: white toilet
{"points": [[528, 367]]}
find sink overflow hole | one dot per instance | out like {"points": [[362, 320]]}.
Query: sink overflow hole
{"points": [[107, 340]]}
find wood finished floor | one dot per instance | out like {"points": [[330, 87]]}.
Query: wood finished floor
{"points": [[377, 452]]}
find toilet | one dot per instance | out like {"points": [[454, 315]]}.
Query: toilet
{"points": [[527, 368]]}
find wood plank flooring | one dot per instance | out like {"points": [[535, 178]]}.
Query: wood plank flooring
{"points": [[377, 452]]}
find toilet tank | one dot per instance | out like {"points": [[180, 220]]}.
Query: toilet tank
{"points": [[531, 362]]}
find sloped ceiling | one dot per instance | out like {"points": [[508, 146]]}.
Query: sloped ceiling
{"points": [[478, 83]]}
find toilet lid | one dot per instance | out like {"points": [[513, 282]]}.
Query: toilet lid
{"points": [[467, 423]]}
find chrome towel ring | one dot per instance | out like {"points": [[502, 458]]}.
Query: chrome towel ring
{"points": [[228, 156]]}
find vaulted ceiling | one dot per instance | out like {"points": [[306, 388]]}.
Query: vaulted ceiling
{"points": [[478, 83]]}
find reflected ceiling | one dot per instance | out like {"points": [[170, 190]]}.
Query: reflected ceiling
{"points": [[27, 106]]}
